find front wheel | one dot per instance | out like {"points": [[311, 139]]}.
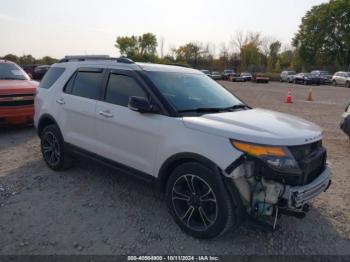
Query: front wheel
{"points": [[199, 202], [347, 84], [53, 149]]}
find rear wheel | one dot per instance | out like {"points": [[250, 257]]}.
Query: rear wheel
{"points": [[199, 201], [55, 154], [347, 84]]}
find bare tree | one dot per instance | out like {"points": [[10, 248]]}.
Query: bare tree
{"points": [[238, 41], [266, 43]]}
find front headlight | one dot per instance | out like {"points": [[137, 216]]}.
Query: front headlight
{"points": [[276, 157]]}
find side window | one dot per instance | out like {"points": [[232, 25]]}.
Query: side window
{"points": [[51, 77], [120, 88], [69, 85], [85, 84]]}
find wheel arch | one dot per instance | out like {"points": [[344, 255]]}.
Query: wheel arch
{"points": [[180, 158], [45, 120]]}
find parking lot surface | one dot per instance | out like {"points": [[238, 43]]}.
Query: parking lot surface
{"points": [[91, 209]]}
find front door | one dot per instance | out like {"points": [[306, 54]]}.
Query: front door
{"points": [[125, 136]]}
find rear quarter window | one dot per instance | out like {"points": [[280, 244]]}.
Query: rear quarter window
{"points": [[51, 77]]}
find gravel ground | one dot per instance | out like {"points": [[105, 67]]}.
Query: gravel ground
{"points": [[92, 210]]}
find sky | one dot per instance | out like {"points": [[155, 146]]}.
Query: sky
{"points": [[70, 27]]}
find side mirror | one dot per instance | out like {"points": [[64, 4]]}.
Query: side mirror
{"points": [[141, 105]]}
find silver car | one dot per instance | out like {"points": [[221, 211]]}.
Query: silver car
{"points": [[216, 75], [287, 76], [341, 78]]}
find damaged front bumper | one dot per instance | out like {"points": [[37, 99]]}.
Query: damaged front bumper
{"points": [[297, 196]]}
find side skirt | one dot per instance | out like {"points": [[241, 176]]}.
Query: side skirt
{"points": [[126, 170]]}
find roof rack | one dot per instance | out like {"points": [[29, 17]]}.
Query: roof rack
{"points": [[79, 58], [181, 65]]}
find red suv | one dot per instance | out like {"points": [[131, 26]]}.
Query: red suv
{"points": [[17, 93]]}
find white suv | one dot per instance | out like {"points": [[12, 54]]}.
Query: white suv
{"points": [[218, 161]]}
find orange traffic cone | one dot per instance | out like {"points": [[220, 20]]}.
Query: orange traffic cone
{"points": [[310, 96], [289, 98]]}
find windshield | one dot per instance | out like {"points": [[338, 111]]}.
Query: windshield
{"points": [[9, 71], [324, 73], [291, 73], [186, 91], [216, 73], [228, 71], [246, 74]]}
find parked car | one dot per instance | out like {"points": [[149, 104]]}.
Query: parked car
{"points": [[260, 78], [17, 93], [227, 73], [207, 72], [307, 79], [29, 69], [40, 71], [216, 75], [345, 123], [247, 76], [287, 76], [341, 78], [325, 76], [217, 160], [236, 78]]}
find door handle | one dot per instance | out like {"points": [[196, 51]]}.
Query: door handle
{"points": [[106, 113], [60, 101]]}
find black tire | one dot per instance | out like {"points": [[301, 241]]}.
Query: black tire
{"points": [[199, 202], [55, 155], [334, 83], [347, 84]]}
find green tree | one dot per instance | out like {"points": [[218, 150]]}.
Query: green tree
{"points": [[286, 58], [250, 57], [324, 35], [11, 57], [147, 44], [188, 53], [139, 48], [47, 60], [274, 50], [26, 60]]}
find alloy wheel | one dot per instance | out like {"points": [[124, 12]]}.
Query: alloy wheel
{"points": [[51, 148], [194, 202]]}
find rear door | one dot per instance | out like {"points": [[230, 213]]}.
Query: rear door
{"points": [[123, 135], [78, 107], [342, 78]]}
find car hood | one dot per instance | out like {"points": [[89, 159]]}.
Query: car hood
{"points": [[257, 126], [16, 86]]}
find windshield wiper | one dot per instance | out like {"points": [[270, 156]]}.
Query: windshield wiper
{"points": [[213, 109], [238, 106]]}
